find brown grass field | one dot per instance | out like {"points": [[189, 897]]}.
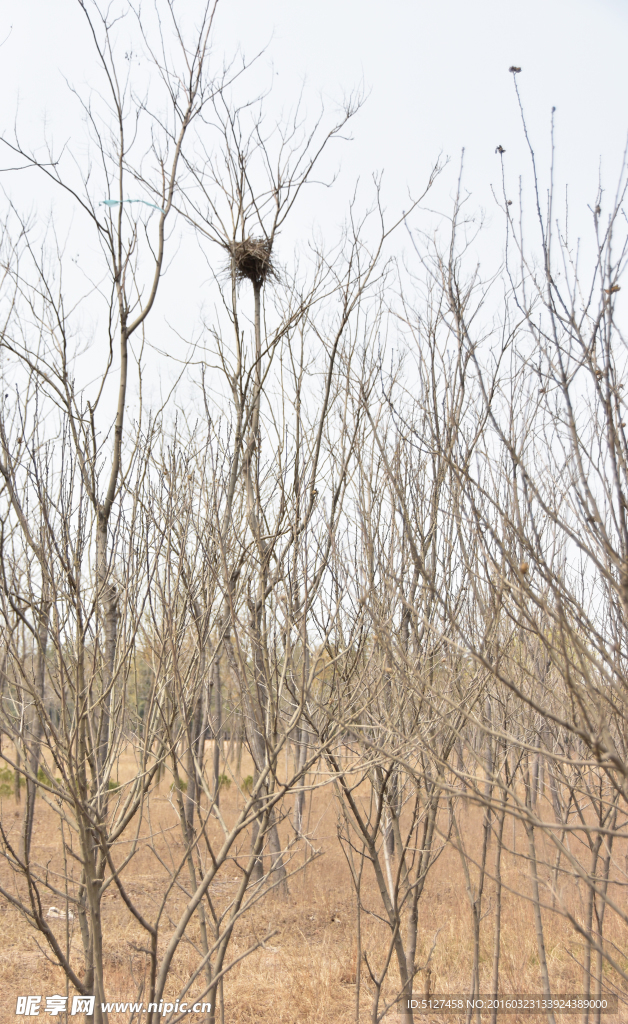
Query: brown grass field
{"points": [[307, 974]]}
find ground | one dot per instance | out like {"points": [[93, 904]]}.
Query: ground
{"points": [[306, 974]]}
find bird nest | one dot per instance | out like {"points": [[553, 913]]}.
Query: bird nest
{"points": [[251, 260]]}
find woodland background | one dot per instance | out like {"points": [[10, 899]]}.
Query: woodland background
{"points": [[313, 663]]}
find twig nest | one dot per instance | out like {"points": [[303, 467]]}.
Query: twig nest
{"points": [[251, 260]]}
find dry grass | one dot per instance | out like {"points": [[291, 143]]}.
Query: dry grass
{"points": [[307, 975]]}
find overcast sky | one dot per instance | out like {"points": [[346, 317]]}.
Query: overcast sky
{"points": [[436, 75], [438, 79], [435, 70]]}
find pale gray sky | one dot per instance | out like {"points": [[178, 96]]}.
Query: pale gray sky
{"points": [[436, 71], [436, 74]]}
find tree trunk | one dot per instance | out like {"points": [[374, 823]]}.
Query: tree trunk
{"points": [[194, 733], [108, 603], [301, 758], [498, 906], [538, 920], [36, 728], [217, 730]]}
